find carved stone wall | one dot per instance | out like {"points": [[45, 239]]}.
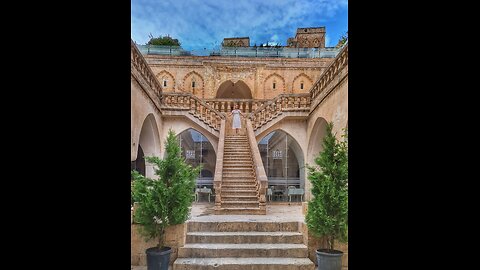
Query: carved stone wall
{"points": [[210, 72]]}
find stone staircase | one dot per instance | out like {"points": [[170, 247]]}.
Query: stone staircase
{"points": [[245, 245], [239, 192]]}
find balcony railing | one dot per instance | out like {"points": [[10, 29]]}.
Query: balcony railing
{"points": [[278, 52]]}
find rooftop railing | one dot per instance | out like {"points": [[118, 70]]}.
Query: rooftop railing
{"points": [[276, 52]]}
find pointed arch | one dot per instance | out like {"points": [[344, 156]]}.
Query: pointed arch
{"points": [[231, 89], [198, 150], [297, 83], [273, 85], [167, 81], [282, 158], [194, 83]]}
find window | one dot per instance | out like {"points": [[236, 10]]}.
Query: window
{"points": [[301, 85], [193, 84], [164, 83], [274, 85]]}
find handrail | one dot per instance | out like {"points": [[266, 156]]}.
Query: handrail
{"points": [[217, 180], [261, 176], [335, 66], [191, 103], [245, 105], [139, 63], [279, 104]]}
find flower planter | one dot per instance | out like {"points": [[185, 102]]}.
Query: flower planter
{"points": [[158, 259], [328, 259]]}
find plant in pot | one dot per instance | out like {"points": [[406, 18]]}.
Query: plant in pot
{"points": [[164, 201], [327, 214]]}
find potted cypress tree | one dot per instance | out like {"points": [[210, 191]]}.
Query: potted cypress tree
{"points": [[327, 214], [164, 201]]}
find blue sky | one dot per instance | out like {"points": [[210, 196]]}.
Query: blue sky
{"points": [[202, 24]]}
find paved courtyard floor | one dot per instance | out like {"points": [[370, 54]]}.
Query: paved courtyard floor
{"points": [[275, 212]]}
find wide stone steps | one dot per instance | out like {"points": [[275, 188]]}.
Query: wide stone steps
{"points": [[245, 237], [202, 250], [242, 226], [257, 263]]}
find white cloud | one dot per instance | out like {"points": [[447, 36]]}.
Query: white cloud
{"points": [[202, 23]]}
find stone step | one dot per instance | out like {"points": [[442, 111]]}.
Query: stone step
{"points": [[244, 192], [239, 204], [247, 164], [238, 170], [242, 250], [238, 175], [242, 226], [238, 182], [257, 263], [241, 178], [245, 198], [238, 187], [245, 237], [241, 211]]}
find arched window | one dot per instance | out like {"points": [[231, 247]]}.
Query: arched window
{"points": [[282, 159], [197, 150]]}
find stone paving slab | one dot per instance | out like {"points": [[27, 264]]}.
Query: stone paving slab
{"points": [[275, 212]]}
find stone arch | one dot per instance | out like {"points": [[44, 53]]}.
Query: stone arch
{"points": [[315, 145], [149, 141], [191, 78], [292, 145], [197, 149], [268, 91], [170, 81], [298, 80], [234, 90]]}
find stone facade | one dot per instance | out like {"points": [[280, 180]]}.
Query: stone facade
{"points": [[312, 37], [236, 42], [240, 77], [324, 81]]}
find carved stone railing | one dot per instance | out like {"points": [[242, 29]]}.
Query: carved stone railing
{"points": [[217, 180], [340, 62], [226, 105], [195, 106], [140, 65], [259, 170], [275, 107]]}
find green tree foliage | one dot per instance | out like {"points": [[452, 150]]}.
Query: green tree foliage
{"points": [[165, 41], [327, 214], [343, 39], [164, 201]]}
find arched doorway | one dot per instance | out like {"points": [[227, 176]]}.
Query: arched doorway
{"points": [[283, 161], [139, 163], [315, 146], [197, 150], [231, 90], [149, 143]]}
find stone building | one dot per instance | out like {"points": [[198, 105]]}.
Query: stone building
{"points": [[311, 37], [287, 103], [236, 42]]}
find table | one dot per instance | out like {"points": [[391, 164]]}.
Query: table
{"points": [[295, 191], [203, 190]]}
